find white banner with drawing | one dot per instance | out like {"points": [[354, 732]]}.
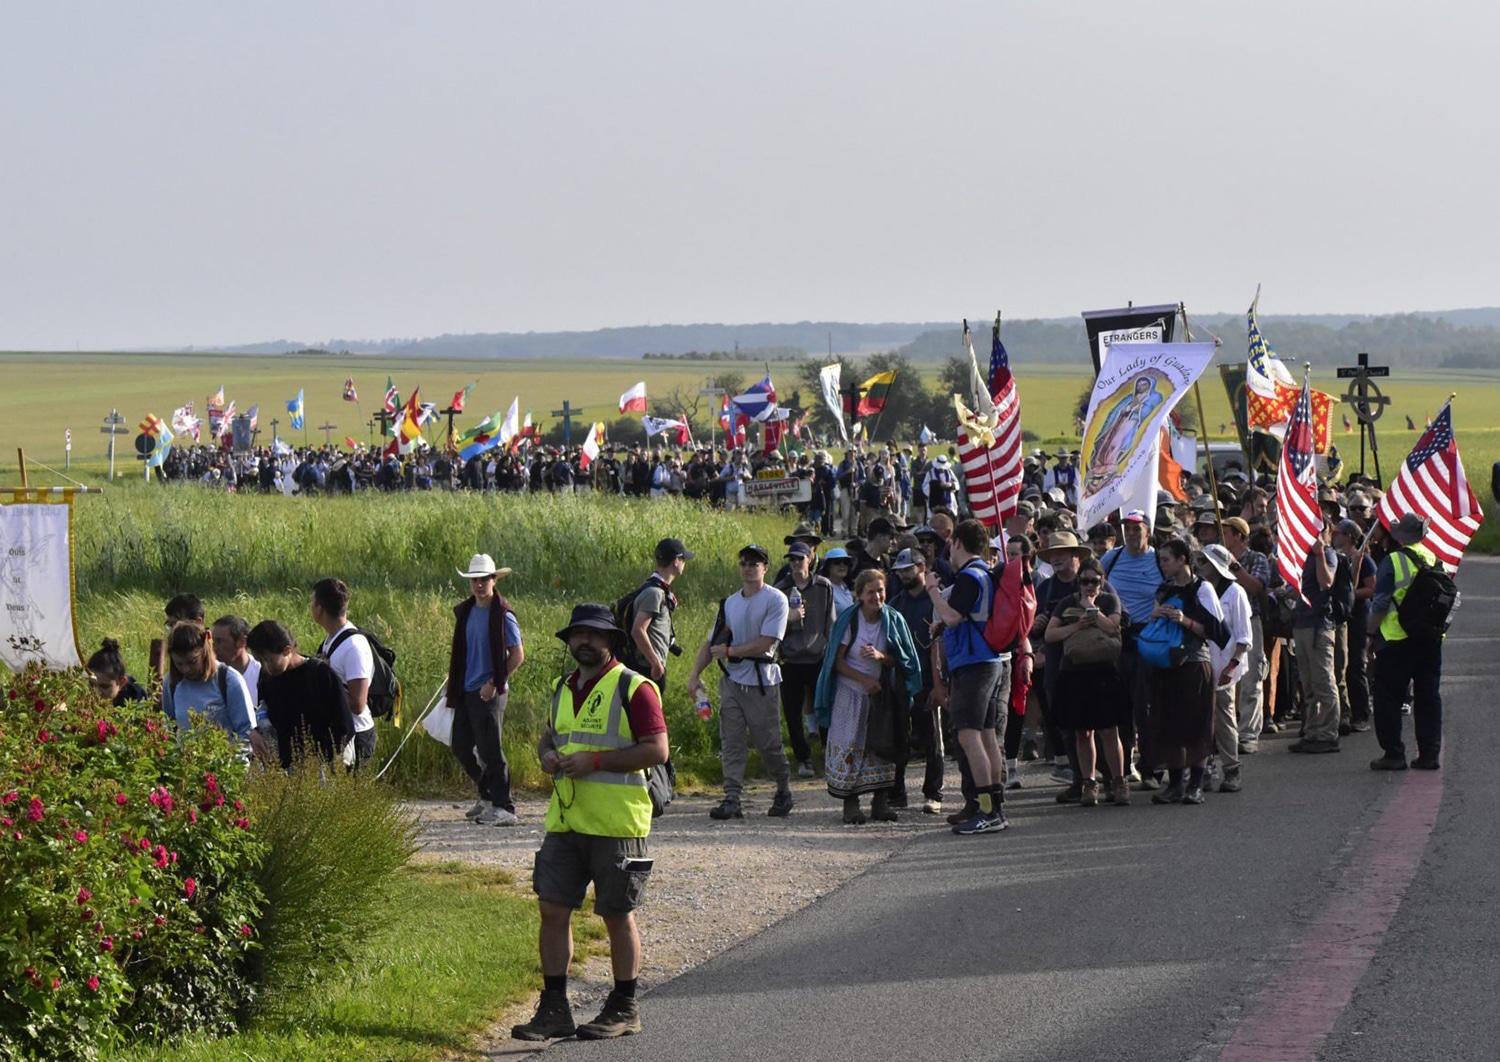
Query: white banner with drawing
{"points": [[36, 585]]}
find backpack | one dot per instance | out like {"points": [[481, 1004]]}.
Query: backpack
{"points": [[1161, 643], [384, 695], [1012, 607], [623, 611], [1426, 611], [1341, 594]]}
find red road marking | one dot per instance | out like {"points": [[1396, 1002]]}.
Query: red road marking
{"points": [[1294, 1014]]}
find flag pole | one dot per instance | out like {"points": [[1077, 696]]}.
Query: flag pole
{"points": [[1213, 477]]}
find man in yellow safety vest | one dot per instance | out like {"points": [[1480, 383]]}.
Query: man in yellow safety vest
{"points": [[1404, 662], [607, 730]]}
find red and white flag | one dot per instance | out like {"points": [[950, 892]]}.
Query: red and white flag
{"points": [[989, 439], [1432, 484], [634, 400], [1299, 519], [591, 447]]}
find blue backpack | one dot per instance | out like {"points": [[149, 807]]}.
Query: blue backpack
{"points": [[1160, 642]]}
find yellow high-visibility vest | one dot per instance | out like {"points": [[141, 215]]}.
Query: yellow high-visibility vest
{"points": [[604, 803], [1405, 571]]}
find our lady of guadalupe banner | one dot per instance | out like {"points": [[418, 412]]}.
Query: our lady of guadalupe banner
{"points": [[36, 582], [1137, 387]]}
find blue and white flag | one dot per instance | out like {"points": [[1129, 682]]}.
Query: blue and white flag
{"points": [[926, 435], [759, 400], [294, 407], [164, 439]]}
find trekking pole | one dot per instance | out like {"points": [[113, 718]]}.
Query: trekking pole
{"points": [[415, 724]]}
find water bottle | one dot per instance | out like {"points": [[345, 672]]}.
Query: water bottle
{"points": [[793, 603], [705, 709]]}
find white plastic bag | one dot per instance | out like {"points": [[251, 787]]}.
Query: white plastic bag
{"points": [[439, 722]]}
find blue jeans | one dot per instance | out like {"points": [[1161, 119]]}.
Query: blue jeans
{"points": [[1397, 666]]}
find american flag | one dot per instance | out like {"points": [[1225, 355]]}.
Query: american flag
{"points": [[1432, 483], [992, 475], [1299, 518]]}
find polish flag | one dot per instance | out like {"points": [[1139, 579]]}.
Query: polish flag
{"points": [[634, 400]]}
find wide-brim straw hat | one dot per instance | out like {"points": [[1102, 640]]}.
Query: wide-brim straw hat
{"points": [[481, 565], [1063, 542]]}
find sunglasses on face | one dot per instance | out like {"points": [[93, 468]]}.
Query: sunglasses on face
{"points": [[1090, 582]]}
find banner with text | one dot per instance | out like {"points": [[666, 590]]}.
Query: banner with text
{"points": [[1136, 389], [1134, 324], [36, 584]]}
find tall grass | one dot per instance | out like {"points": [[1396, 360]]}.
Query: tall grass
{"points": [[258, 556]]}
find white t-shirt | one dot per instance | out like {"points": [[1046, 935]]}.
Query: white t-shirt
{"points": [[749, 618], [351, 662], [251, 675], [1236, 606]]}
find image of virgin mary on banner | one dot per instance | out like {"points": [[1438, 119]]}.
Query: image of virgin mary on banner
{"points": [[1138, 386]]}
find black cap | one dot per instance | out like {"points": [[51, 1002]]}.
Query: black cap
{"points": [[798, 549], [759, 552], [669, 549], [881, 526], [592, 615]]}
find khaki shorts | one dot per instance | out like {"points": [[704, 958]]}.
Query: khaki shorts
{"points": [[567, 862]]}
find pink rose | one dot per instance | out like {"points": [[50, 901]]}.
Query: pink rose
{"points": [[93, 983], [36, 810], [121, 799], [84, 896], [107, 944], [10, 798], [80, 837], [246, 931], [190, 886]]}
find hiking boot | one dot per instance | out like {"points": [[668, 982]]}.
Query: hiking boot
{"points": [[805, 770], [781, 805], [1071, 795], [1193, 795], [880, 807], [963, 814], [494, 815], [1119, 793], [729, 808], [1171, 795], [1312, 747], [1148, 782], [1088, 796], [1425, 763], [1231, 782], [898, 801], [553, 1018], [1249, 748], [621, 1016], [1388, 763], [1345, 728], [853, 816], [477, 810]]}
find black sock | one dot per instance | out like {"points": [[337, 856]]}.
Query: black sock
{"points": [[1175, 775], [555, 984], [997, 795], [625, 989], [1195, 777]]}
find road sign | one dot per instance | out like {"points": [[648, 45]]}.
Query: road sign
{"points": [[144, 444]]}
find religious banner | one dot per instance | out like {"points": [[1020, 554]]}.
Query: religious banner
{"points": [[1136, 389], [36, 582], [828, 381], [1134, 324]]}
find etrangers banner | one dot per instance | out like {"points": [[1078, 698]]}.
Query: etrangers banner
{"points": [[1136, 389], [36, 583], [1133, 324]]}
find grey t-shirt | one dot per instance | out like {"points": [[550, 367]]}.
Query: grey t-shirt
{"points": [[748, 618], [653, 602]]}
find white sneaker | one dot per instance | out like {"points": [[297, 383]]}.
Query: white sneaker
{"points": [[1134, 777], [932, 807], [477, 810], [1012, 778], [494, 816]]}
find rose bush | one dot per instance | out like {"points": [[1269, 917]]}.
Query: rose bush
{"points": [[128, 873]]}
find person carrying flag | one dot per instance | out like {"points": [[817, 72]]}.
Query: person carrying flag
{"points": [[1401, 661]]}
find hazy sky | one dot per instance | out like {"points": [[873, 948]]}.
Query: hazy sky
{"points": [[199, 173]]}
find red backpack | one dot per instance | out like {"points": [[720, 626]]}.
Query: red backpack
{"points": [[1013, 607]]}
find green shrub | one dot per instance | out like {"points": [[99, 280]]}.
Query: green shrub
{"points": [[334, 842], [127, 885]]}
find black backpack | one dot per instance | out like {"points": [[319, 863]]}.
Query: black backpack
{"points": [[1341, 594], [1426, 611], [384, 696], [623, 611]]}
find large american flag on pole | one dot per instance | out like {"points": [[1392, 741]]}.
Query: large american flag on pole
{"points": [[1432, 484], [989, 441], [1299, 519]]}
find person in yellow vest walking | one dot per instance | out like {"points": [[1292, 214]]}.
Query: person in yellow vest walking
{"points": [[1404, 659], [607, 729]]}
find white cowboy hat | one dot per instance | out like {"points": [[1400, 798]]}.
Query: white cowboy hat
{"points": [[481, 565]]}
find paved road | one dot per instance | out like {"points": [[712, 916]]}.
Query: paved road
{"points": [[1309, 916]]}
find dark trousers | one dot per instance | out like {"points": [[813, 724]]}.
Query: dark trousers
{"points": [[477, 725], [1137, 731], [1357, 674], [1403, 664], [798, 684], [924, 737]]}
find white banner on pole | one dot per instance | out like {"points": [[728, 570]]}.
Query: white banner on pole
{"points": [[828, 378], [36, 584], [1135, 391]]}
